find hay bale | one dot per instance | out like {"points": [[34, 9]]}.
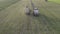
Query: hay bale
{"points": [[27, 11]]}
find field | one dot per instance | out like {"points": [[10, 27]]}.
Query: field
{"points": [[57, 1], [13, 19], [6, 3]]}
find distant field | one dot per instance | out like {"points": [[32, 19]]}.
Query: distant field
{"points": [[57, 1], [6, 3]]}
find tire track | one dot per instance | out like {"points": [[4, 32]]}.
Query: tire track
{"points": [[32, 26]]}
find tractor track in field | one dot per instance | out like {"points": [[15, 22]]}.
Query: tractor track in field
{"points": [[30, 26], [29, 22]]}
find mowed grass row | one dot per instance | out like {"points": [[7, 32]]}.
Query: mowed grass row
{"points": [[6, 3], [13, 19], [51, 15]]}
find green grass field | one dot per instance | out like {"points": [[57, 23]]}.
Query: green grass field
{"points": [[6, 3], [57, 1], [13, 19]]}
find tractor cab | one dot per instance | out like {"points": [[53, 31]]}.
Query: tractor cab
{"points": [[35, 12]]}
